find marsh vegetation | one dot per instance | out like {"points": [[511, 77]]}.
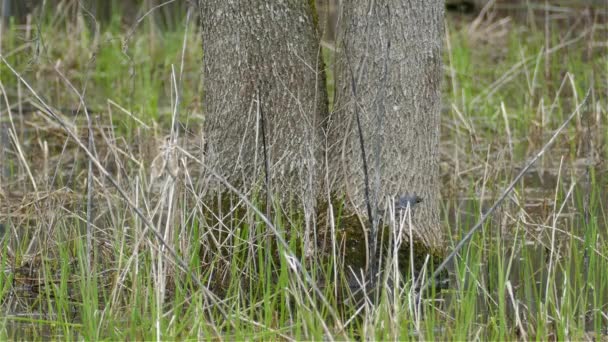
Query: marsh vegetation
{"points": [[109, 232]]}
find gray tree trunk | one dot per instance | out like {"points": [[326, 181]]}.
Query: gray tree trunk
{"points": [[390, 53], [264, 95]]}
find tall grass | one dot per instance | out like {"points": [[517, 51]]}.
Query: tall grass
{"points": [[534, 272]]}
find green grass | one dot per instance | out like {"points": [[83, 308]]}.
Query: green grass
{"points": [[536, 270]]}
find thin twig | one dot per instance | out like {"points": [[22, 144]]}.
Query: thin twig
{"points": [[140, 19], [364, 158], [264, 152]]}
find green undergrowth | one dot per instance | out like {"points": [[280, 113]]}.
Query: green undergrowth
{"points": [[115, 71]]}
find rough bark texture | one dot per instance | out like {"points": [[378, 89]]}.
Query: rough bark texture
{"points": [[391, 51], [263, 87]]}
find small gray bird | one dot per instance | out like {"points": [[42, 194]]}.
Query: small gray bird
{"points": [[402, 202]]}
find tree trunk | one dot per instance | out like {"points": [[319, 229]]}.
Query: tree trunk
{"points": [[264, 95], [389, 72]]}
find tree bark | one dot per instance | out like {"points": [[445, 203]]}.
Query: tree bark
{"points": [[264, 95], [389, 72]]}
